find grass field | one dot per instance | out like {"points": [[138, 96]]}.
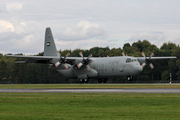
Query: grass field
{"points": [[54, 86], [84, 106]]}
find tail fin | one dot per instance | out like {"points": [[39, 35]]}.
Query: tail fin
{"points": [[49, 44]]}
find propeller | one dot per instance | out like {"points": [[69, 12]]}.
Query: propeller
{"points": [[84, 61], [62, 60], [123, 54], [147, 61]]}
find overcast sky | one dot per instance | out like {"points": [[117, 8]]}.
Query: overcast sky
{"points": [[86, 23]]}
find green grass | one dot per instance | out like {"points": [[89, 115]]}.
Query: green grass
{"points": [[54, 86], [84, 106]]}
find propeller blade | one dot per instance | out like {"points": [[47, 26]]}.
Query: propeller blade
{"points": [[58, 53], [57, 64], [151, 55], [151, 65], [66, 66], [90, 56], [79, 65], [68, 54], [147, 60], [144, 64], [143, 54], [62, 60], [81, 54], [123, 54], [88, 67], [84, 61]]}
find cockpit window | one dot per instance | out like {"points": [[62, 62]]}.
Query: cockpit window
{"points": [[133, 60], [128, 60]]}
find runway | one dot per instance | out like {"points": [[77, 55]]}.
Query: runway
{"points": [[129, 90]]}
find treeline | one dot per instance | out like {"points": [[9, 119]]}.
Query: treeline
{"points": [[40, 73]]}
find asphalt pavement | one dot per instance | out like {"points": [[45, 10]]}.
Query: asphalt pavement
{"points": [[129, 90]]}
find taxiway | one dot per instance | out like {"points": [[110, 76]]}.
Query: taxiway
{"points": [[129, 90]]}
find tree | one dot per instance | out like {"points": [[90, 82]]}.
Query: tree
{"points": [[40, 73], [101, 53], [3, 69], [168, 46]]}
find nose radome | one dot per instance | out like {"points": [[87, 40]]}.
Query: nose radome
{"points": [[138, 68]]}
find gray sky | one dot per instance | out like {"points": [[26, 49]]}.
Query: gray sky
{"points": [[86, 23]]}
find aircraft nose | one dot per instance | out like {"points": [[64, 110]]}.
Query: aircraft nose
{"points": [[138, 68]]}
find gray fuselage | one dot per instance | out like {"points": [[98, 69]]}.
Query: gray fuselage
{"points": [[105, 67]]}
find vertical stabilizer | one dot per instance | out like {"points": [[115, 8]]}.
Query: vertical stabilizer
{"points": [[49, 44]]}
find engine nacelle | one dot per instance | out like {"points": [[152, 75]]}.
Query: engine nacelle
{"points": [[68, 72], [89, 73]]}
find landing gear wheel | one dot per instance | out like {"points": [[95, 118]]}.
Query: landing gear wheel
{"points": [[86, 80], [81, 80], [104, 80], [130, 78], [100, 81]]}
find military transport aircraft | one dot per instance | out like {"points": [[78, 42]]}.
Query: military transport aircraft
{"points": [[84, 68]]}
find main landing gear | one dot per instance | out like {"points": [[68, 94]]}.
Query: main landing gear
{"points": [[84, 80], [103, 80]]}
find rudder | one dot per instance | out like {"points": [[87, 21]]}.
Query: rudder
{"points": [[49, 44]]}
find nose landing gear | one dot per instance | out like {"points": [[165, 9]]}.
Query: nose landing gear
{"points": [[130, 78]]}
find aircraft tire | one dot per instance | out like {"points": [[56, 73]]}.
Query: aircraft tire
{"points": [[81, 80], [104, 80], [86, 80], [130, 78], [100, 80]]}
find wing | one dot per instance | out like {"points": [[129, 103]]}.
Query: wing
{"points": [[155, 58], [142, 59], [32, 59], [44, 59], [75, 60]]}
